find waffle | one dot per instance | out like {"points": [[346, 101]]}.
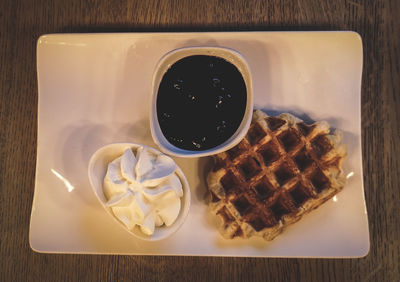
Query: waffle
{"points": [[281, 170]]}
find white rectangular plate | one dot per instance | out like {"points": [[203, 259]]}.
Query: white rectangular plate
{"points": [[94, 89]]}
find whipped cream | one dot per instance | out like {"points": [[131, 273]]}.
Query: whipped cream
{"points": [[143, 189]]}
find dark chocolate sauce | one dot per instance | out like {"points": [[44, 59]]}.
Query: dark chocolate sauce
{"points": [[201, 102]]}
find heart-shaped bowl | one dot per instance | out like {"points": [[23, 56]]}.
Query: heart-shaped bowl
{"points": [[97, 170]]}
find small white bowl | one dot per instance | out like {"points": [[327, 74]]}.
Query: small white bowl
{"points": [[165, 63], [97, 170]]}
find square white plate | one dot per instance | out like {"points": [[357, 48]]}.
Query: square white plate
{"points": [[94, 89]]}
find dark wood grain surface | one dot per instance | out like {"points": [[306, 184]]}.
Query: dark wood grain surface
{"points": [[22, 22]]}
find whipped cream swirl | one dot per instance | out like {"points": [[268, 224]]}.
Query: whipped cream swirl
{"points": [[143, 189]]}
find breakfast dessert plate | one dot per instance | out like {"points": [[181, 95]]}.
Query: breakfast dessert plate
{"points": [[95, 89]]}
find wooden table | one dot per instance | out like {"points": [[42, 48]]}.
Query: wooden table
{"points": [[22, 22]]}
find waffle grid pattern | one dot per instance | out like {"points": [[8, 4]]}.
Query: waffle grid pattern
{"points": [[280, 170]]}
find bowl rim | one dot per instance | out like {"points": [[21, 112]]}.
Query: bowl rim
{"points": [[119, 148], [229, 54]]}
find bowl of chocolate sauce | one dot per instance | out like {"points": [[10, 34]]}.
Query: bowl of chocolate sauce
{"points": [[202, 101]]}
